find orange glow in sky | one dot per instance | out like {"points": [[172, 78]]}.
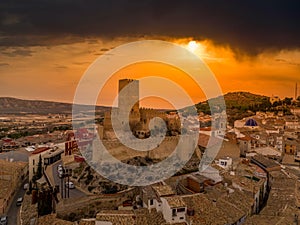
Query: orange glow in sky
{"points": [[144, 69], [53, 72]]}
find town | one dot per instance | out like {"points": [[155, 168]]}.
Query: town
{"points": [[46, 174]]}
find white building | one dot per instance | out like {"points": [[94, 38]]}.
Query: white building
{"points": [[173, 209], [225, 163], [163, 199], [48, 156]]}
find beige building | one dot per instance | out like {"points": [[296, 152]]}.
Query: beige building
{"points": [[290, 147], [48, 156]]}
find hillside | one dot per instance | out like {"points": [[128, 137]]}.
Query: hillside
{"points": [[238, 105], [19, 106], [245, 100]]}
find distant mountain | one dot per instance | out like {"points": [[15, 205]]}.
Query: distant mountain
{"points": [[18, 106], [238, 105]]}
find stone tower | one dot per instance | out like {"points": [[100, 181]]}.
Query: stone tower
{"points": [[128, 100]]}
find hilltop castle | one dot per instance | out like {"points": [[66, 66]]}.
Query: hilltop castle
{"points": [[138, 118]]}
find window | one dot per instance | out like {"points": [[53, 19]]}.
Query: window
{"points": [[223, 163], [174, 212], [181, 210], [151, 201], [181, 218], [33, 162]]}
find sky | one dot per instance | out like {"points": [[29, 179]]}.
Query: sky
{"points": [[46, 46]]}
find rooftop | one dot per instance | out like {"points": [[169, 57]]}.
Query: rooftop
{"points": [[265, 163], [280, 208], [246, 138], [40, 150], [163, 190], [149, 192], [175, 201], [205, 211], [268, 151], [126, 217], [208, 141], [54, 152]]}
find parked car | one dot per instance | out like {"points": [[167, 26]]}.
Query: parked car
{"points": [[26, 186], [70, 185], [19, 201], [3, 220], [60, 171]]}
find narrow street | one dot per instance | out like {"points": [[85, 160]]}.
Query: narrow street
{"points": [[13, 211], [73, 193]]}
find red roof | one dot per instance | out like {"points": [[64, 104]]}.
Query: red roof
{"points": [[6, 139], [40, 150], [246, 138]]}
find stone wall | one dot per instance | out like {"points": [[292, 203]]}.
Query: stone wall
{"points": [[89, 206], [121, 152]]}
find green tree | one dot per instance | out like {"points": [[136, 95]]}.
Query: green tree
{"points": [[287, 101], [39, 171], [29, 188]]}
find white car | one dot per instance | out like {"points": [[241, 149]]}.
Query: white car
{"points": [[19, 201], [70, 185], [26, 186], [60, 171], [3, 220], [59, 168]]}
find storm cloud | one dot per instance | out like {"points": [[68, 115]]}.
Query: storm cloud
{"points": [[249, 26]]}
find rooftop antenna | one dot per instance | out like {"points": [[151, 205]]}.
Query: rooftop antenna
{"points": [[296, 92], [293, 106]]}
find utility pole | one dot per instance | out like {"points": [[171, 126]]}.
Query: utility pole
{"points": [[68, 186], [296, 92], [65, 186], [62, 187]]}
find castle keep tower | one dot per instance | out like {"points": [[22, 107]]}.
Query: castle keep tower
{"points": [[128, 96], [130, 113]]}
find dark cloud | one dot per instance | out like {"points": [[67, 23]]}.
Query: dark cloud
{"points": [[104, 49], [288, 62], [250, 25]]}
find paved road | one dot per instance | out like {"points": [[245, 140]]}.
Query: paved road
{"points": [[13, 211], [73, 193]]}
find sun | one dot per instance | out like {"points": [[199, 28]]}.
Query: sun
{"points": [[192, 46]]}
